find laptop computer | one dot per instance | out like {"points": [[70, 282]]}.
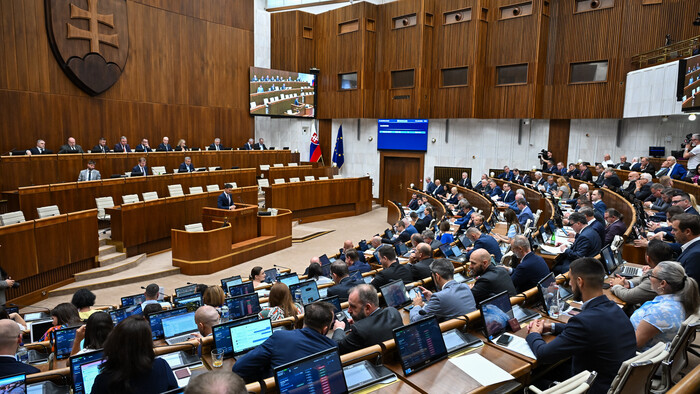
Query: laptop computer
{"points": [[222, 333], [340, 313], [38, 328], [356, 276], [498, 318], [271, 275], [155, 320], [191, 302], [243, 305], [545, 295], [180, 359], [13, 384], [457, 340], [465, 241], [308, 289], [120, 314], [325, 260], [420, 344], [612, 259], [178, 328], [453, 253], [133, 300], [63, 340], [318, 373], [186, 290], [288, 279], [401, 248], [246, 336], [29, 316], [326, 269], [231, 281], [84, 369], [243, 288], [395, 294]]}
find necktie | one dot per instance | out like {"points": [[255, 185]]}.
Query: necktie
{"points": [[41, 150], [217, 148], [89, 174], [72, 148], [229, 199], [143, 170]]}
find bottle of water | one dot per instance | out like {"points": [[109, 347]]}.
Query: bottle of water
{"points": [[297, 296], [22, 355], [554, 302], [224, 314]]}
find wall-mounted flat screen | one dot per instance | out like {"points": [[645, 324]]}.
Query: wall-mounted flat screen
{"points": [[689, 70], [282, 93], [403, 134]]}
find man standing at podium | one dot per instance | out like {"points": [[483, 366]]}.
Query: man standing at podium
{"points": [[225, 200]]}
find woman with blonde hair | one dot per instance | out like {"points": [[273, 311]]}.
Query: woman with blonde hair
{"points": [[214, 296], [563, 190]]}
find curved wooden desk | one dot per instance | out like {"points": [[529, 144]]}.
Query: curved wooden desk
{"points": [[476, 200]]}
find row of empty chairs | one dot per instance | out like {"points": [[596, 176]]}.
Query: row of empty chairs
{"points": [[265, 167], [266, 182], [18, 216]]}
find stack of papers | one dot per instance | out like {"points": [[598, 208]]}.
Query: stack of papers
{"points": [[547, 249], [480, 369]]}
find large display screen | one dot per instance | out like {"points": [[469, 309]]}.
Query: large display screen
{"points": [[403, 134], [690, 75], [282, 93]]}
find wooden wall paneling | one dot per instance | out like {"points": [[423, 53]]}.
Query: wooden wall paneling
{"points": [[65, 195], [18, 252], [367, 75], [51, 237], [325, 141], [541, 12], [83, 241], [423, 77], [558, 144]]}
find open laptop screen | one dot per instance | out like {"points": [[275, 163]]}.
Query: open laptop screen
{"points": [[186, 290], [319, 373], [133, 300], [243, 288], [13, 384], [496, 311], [155, 319], [270, 275], [84, 369], [288, 279], [609, 260], [420, 344], [446, 250], [401, 248], [309, 291], [243, 305], [544, 284], [247, 336], [178, 324], [192, 302], [39, 328], [324, 259], [222, 333], [333, 300], [394, 294], [231, 281], [63, 340]]}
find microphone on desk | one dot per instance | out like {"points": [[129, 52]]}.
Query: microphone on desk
{"points": [[280, 266], [47, 310]]}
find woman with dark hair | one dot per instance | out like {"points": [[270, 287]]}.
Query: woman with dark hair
{"points": [[131, 365], [214, 296], [257, 275], [63, 315], [315, 272], [94, 333], [83, 299], [13, 316], [513, 226], [446, 237], [281, 304]]}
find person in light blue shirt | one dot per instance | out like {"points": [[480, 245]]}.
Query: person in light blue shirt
{"points": [[421, 207], [453, 300], [660, 319], [260, 89], [525, 213]]}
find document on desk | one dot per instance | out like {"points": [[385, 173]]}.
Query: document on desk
{"points": [[482, 370], [518, 345], [547, 249]]}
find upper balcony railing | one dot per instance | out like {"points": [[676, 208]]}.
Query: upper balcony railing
{"points": [[668, 53]]}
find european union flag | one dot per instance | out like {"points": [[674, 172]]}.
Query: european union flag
{"points": [[338, 155]]}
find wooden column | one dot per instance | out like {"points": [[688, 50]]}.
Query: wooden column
{"points": [[559, 139], [325, 135]]}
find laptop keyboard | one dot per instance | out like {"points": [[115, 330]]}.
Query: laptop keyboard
{"points": [[179, 339], [631, 271]]}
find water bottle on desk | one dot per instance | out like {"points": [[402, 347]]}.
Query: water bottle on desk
{"points": [[22, 355], [224, 314], [554, 301], [297, 296]]}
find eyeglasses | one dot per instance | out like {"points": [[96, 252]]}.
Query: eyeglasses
{"points": [[675, 201], [651, 275]]}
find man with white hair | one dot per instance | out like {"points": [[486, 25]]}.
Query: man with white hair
{"points": [[642, 188], [606, 161], [610, 179], [538, 181], [582, 191], [623, 164], [672, 168], [692, 154]]}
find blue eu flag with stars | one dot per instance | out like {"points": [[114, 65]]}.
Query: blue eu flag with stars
{"points": [[338, 155]]}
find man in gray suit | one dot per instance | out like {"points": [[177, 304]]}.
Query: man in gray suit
{"points": [[90, 173], [454, 299]]}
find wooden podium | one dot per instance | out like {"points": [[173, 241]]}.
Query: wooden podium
{"points": [[246, 236]]}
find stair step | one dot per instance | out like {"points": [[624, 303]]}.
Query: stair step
{"points": [[111, 269], [107, 249], [94, 285], [111, 258]]}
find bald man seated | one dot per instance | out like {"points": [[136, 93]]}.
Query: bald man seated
{"points": [[491, 280], [206, 317], [10, 338]]}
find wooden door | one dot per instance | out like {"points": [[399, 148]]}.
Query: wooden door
{"points": [[398, 171]]}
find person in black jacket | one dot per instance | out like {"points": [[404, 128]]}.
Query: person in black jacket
{"points": [[491, 280], [10, 338], [584, 173], [392, 269], [343, 282], [422, 224], [421, 259], [372, 324]]}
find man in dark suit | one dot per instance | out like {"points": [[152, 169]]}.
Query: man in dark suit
{"points": [[508, 195], [217, 145], [599, 171], [392, 269], [636, 165], [343, 282], [597, 201], [122, 146], [532, 268], [525, 213], [429, 185], [682, 199], [439, 189], [140, 169], [586, 244], [10, 338], [413, 204], [623, 164], [285, 346], [422, 224], [645, 166], [429, 238], [656, 200], [420, 261], [538, 181], [186, 166], [615, 225], [506, 175], [260, 145], [144, 146], [465, 181], [224, 201], [611, 180], [483, 241], [372, 325], [581, 338], [39, 149], [101, 146], [495, 190], [521, 179], [573, 172], [356, 261], [686, 229], [597, 225], [165, 145], [491, 280], [248, 145], [70, 147], [584, 173]]}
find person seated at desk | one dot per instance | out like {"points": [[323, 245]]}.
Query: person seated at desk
{"points": [[519, 195], [39, 149], [465, 181], [413, 204], [573, 171], [422, 203], [521, 179], [141, 168], [614, 225], [257, 276], [581, 338], [248, 145], [220, 382], [214, 296], [686, 228], [93, 334], [532, 268], [260, 89], [446, 237], [101, 146], [315, 273], [525, 213], [143, 146], [164, 146], [84, 300], [584, 173], [611, 180], [343, 282], [450, 301], [90, 173], [181, 146], [484, 241], [10, 339], [353, 259], [490, 280], [587, 243], [260, 145], [285, 346], [682, 199], [513, 227], [347, 245], [623, 164], [402, 235], [217, 145], [423, 223], [63, 315], [371, 324], [677, 297], [508, 195], [429, 185], [429, 238], [551, 185], [187, 166], [638, 289], [439, 190], [280, 303], [563, 190], [453, 197], [131, 365], [225, 201], [122, 146], [393, 270], [592, 221], [506, 175], [420, 260], [206, 317], [70, 147], [494, 191]]}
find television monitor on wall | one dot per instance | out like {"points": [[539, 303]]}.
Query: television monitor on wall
{"points": [[282, 93], [689, 83], [402, 134]]}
